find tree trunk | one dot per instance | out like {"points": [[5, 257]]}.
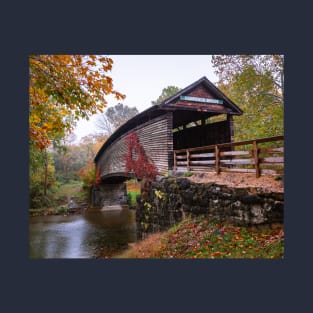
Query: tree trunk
{"points": [[46, 173]]}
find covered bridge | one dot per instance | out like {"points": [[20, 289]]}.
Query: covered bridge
{"points": [[198, 115]]}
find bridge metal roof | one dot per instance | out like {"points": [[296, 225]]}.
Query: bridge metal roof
{"points": [[188, 110]]}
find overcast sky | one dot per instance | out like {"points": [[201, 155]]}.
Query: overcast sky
{"points": [[142, 77]]}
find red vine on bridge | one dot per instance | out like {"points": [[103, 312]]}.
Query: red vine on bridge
{"points": [[141, 166]]}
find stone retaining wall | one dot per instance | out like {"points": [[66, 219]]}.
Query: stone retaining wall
{"points": [[170, 199]]}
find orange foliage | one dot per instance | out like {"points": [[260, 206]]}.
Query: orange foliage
{"points": [[87, 174], [63, 89]]}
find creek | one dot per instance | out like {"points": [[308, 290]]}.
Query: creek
{"points": [[89, 235]]}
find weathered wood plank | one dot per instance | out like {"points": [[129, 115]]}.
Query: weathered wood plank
{"points": [[256, 158], [207, 162], [271, 165], [272, 150], [233, 144], [153, 136], [217, 159], [202, 155], [203, 169], [234, 153], [188, 160], [238, 170], [237, 161], [175, 161], [272, 160]]}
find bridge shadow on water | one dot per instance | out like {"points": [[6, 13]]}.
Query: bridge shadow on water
{"points": [[115, 229]]}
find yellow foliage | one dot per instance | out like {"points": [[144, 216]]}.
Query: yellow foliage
{"points": [[63, 89]]}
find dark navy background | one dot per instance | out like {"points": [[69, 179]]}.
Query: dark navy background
{"points": [[195, 27]]}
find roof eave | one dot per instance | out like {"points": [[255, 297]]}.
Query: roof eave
{"points": [[212, 87]]}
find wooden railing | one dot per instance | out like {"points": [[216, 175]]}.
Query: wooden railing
{"points": [[259, 156]]}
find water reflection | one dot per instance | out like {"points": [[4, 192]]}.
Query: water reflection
{"points": [[81, 236]]}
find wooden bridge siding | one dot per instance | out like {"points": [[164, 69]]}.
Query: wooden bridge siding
{"points": [[154, 136], [112, 160], [170, 141], [154, 139]]}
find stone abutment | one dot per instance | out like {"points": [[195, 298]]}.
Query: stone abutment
{"points": [[171, 199], [106, 195]]}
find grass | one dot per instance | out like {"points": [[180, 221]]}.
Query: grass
{"points": [[131, 195], [208, 239], [73, 189], [59, 197], [133, 189], [200, 238], [70, 189]]}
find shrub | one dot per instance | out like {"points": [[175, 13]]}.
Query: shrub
{"points": [[188, 174], [278, 177], [62, 209]]}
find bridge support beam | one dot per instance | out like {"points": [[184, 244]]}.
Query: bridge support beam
{"points": [[105, 195]]}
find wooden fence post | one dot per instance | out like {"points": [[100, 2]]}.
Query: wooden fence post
{"points": [[188, 160], [256, 159], [217, 160], [175, 162]]}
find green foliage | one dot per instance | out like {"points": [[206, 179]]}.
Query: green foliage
{"points": [[132, 198], [255, 83], [159, 194], [216, 118], [39, 200], [166, 93], [61, 209], [278, 177], [133, 191], [37, 172], [67, 164], [147, 206], [188, 174]]}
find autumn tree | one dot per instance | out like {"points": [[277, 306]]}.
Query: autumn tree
{"points": [[90, 145], [166, 93], [256, 84], [63, 89], [114, 117], [70, 158], [41, 176]]}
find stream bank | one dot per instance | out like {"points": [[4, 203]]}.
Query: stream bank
{"points": [[201, 237], [171, 199]]}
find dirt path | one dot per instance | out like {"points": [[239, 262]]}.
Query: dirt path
{"points": [[267, 182]]}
